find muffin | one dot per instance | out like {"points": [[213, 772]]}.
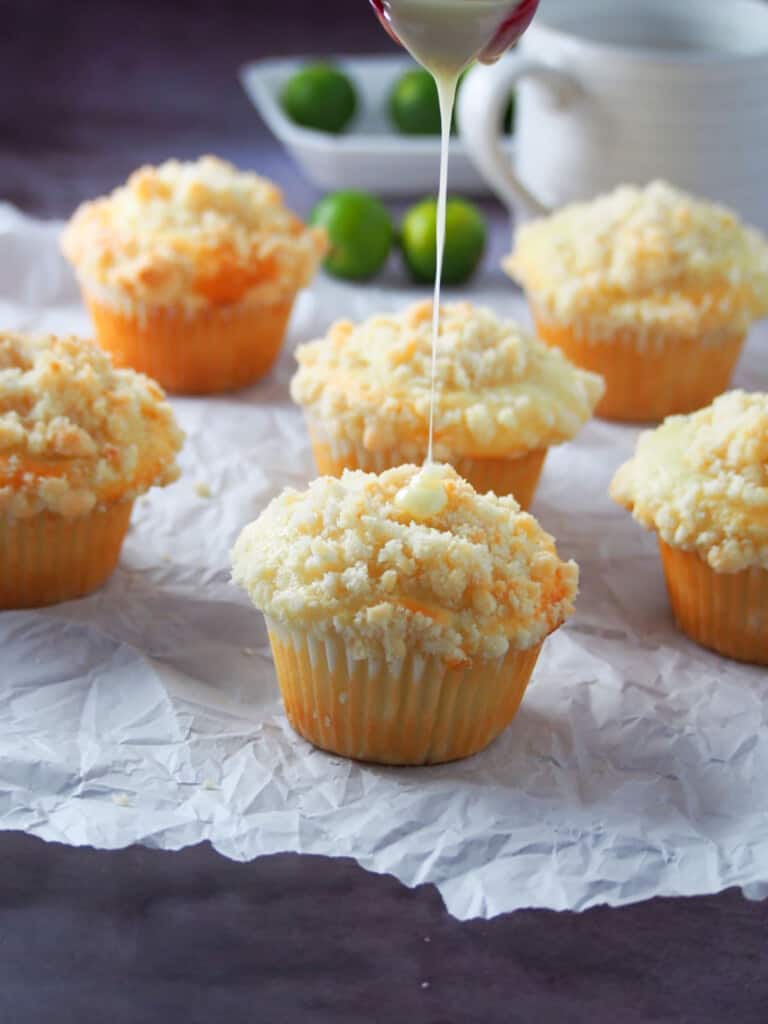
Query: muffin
{"points": [[501, 399], [651, 288], [190, 271], [701, 482], [405, 611], [79, 441]]}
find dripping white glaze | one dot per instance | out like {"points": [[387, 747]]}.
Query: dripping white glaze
{"points": [[446, 91], [444, 36]]}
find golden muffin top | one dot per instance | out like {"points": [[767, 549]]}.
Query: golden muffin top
{"points": [[74, 432], [409, 559], [499, 390], [650, 257], [701, 481], [194, 234]]}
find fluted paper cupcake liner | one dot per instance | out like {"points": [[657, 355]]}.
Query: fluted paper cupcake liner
{"points": [[203, 352], [517, 476], [726, 612], [417, 712], [645, 382], [48, 558]]}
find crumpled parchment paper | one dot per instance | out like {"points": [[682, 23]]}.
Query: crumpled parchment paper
{"points": [[149, 712]]}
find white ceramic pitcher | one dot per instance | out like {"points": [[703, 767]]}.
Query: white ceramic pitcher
{"points": [[615, 91]]}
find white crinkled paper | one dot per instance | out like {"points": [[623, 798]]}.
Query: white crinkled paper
{"points": [[149, 712]]}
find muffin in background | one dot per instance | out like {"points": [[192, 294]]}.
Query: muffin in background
{"points": [[501, 396], [190, 271], [405, 611], [649, 287], [701, 482], [79, 441]]}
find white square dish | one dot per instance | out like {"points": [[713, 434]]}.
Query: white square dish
{"points": [[370, 155]]}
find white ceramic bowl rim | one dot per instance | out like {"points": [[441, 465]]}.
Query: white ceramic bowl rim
{"points": [[545, 25]]}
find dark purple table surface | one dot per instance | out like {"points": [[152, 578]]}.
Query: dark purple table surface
{"points": [[88, 91]]}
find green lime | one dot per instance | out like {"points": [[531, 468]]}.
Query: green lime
{"points": [[319, 96], [509, 116], [360, 231], [464, 240], [413, 104]]}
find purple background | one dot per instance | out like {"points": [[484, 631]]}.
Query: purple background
{"points": [[88, 91]]}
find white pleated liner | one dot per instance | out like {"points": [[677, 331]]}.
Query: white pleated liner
{"points": [[415, 711]]}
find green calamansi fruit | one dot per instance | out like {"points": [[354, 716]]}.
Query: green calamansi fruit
{"points": [[465, 236], [413, 104], [360, 232], [319, 96]]}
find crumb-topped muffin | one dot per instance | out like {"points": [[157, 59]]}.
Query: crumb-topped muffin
{"points": [[405, 610], [649, 286], [701, 482], [190, 271], [501, 396], [79, 441]]}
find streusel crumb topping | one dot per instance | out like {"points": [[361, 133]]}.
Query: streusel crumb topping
{"points": [[74, 432], [500, 391], [193, 235], [472, 576], [701, 481], [650, 257]]}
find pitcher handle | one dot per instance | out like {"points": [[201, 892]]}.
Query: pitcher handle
{"points": [[482, 99]]}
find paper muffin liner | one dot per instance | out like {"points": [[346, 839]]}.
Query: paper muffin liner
{"points": [[201, 352], [726, 612], [48, 558], [647, 380], [419, 711], [517, 476]]}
